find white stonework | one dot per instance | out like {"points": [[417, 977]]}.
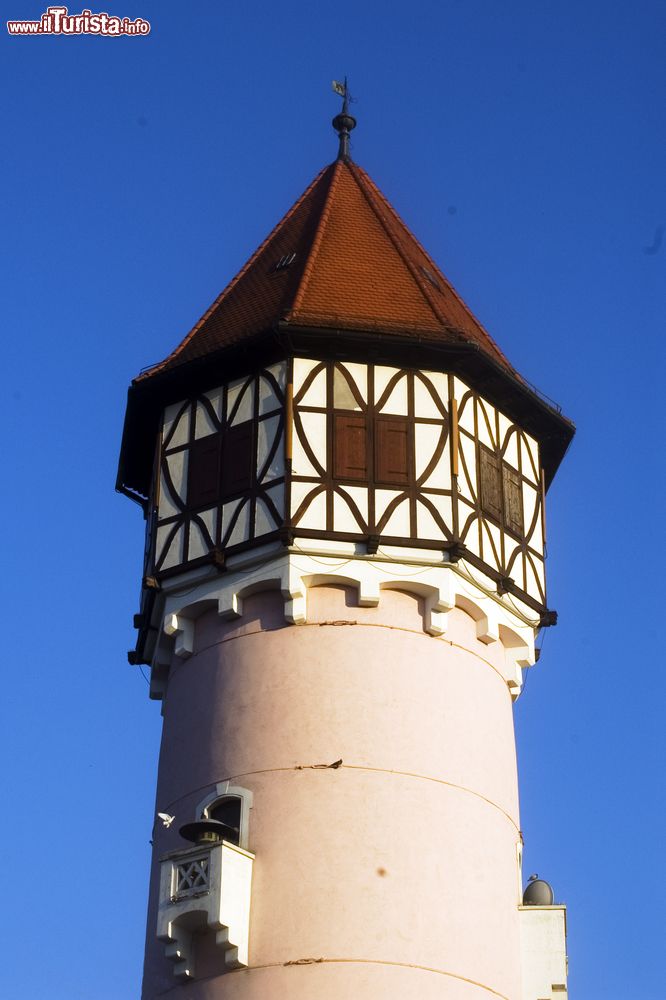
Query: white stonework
{"points": [[219, 900], [443, 585], [543, 939]]}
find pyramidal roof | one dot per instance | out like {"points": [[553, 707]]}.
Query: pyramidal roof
{"points": [[341, 258]]}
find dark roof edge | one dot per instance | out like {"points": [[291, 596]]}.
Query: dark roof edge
{"points": [[146, 398]]}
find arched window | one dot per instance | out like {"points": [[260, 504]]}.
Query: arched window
{"points": [[228, 811], [229, 804]]}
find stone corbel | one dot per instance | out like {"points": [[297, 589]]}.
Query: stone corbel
{"points": [[181, 629], [485, 616]]}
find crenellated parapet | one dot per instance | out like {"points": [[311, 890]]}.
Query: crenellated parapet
{"points": [[294, 573]]}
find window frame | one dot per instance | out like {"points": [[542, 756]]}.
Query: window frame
{"points": [[502, 514], [372, 476], [225, 790], [245, 431]]}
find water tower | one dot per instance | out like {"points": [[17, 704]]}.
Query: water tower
{"points": [[343, 481]]}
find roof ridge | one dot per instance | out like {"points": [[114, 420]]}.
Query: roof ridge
{"points": [[234, 281], [363, 177], [438, 270], [316, 242]]}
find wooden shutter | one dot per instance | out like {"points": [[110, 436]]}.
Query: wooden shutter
{"points": [[513, 500], [349, 447], [491, 483], [391, 452], [203, 470], [238, 459]]}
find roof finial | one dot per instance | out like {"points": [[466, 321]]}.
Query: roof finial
{"points": [[344, 122]]}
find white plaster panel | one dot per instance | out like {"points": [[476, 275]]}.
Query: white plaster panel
{"points": [[216, 397], [263, 521], [268, 400], [440, 477], [530, 453], [536, 538], [300, 463], [276, 494], [466, 407], [491, 535], [382, 499], [182, 431], [166, 505], [516, 571], [486, 424], [314, 428], [424, 404], [241, 531], [276, 468], [343, 517], [175, 554], [343, 395], [467, 472], [266, 431], [426, 526], [530, 499], [383, 376], [315, 515], [504, 426], [397, 400], [427, 437], [209, 518], [197, 543], [531, 584], [359, 376], [228, 511], [177, 466], [279, 373], [316, 394], [469, 535], [359, 495], [203, 425], [302, 368], [299, 491], [539, 572], [244, 388], [398, 522], [511, 453], [444, 506]]}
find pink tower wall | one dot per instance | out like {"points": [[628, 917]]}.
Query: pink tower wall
{"points": [[392, 876]]}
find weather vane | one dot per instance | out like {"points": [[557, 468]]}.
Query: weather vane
{"points": [[344, 122]]}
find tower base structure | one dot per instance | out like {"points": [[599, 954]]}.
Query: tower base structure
{"points": [[360, 707]]}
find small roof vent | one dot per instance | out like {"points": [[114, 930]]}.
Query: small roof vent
{"points": [[284, 262], [538, 892], [427, 273]]}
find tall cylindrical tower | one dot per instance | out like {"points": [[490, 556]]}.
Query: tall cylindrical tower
{"points": [[343, 480]]}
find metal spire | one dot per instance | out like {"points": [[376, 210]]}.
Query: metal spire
{"points": [[344, 122]]}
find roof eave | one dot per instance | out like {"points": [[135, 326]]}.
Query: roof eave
{"points": [[147, 397]]}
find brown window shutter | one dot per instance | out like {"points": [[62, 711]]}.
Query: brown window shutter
{"points": [[391, 452], [349, 447], [513, 500], [238, 459], [203, 470], [491, 483]]}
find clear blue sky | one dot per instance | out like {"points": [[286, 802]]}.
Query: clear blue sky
{"points": [[524, 145]]}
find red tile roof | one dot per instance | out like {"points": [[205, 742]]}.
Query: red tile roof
{"points": [[356, 267]]}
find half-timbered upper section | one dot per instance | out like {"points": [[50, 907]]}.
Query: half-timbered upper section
{"points": [[339, 389]]}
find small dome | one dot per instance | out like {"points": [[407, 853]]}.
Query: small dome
{"points": [[538, 893]]}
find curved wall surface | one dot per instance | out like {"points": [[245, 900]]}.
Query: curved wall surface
{"points": [[392, 874]]}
